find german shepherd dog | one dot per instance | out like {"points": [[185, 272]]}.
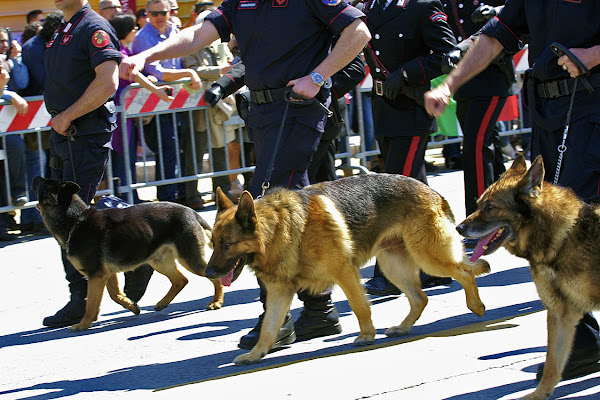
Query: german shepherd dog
{"points": [[100, 243], [558, 234], [312, 238]]}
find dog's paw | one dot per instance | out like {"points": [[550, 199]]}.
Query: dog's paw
{"points": [[82, 326], [396, 331], [160, 306], [364, 340], [214, 305], [247, 359], [478, 308]]}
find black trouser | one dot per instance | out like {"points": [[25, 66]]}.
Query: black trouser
{"points": [[404, 155]]}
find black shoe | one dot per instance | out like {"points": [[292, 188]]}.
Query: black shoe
{"points": [[581, 362], [454, 163], [19, 200], [5, 236], [428, 281], [286, 334], [68, 315], [317, 320], [430, 166], [380, 286], [136, 282]]}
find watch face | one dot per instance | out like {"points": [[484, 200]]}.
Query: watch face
{"points": [[317, 78]]}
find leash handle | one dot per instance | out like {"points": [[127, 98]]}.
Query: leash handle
{"points": [[294, 98], [584, 72]]}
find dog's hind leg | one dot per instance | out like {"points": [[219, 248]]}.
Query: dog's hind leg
{"points": [[403, 272], [561, 331], [115, 292], [349, 281], [219, 296], [279, 299]]}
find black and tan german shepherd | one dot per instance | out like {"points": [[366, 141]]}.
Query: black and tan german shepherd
{"points": [[100, 243], [321, 235], [559, 235]]}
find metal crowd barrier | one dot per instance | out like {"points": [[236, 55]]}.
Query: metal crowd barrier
{"points": [[137, 103]]}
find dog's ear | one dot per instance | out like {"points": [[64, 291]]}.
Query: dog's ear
{"points": [[532, 181], [223, 202], [519, 166], [70, 188], [246, 214]]}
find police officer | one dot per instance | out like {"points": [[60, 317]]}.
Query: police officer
{"points": [[479, 101], [81, 63], [409, 41], [549, 83], [283, 43]]}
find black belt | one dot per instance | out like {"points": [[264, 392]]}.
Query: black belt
{"points": [[267, 95], [563, 87]]}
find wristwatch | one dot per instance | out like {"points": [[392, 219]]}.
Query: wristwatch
{"points": [[317, 78]]}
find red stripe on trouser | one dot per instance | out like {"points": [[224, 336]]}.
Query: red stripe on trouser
{"points": [[479, 144], [410, 157]]}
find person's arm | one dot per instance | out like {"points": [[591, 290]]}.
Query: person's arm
{"points": [[170, 75], [185, 42], [352, 40], [478, 57], [98, 92], [20, 73], [20, 104], [160, 91]]}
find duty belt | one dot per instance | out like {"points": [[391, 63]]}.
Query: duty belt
{"points": [[267, 95], [563, 87]]}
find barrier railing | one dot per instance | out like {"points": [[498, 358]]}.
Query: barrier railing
{"points": [[138, 104]]}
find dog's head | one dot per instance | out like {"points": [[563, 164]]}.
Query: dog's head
{"points": [[51, 192], [234, 238], [504, 207]]}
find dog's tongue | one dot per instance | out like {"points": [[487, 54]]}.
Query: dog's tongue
{"points": [[479, 248], [227, 279]]}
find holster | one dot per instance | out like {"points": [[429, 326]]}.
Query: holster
{"points": [[242, 103]]}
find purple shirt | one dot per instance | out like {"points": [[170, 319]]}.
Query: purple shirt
{"points": [[149, 37]]}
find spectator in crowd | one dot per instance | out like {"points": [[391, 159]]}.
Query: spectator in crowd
{"points": [[109, 8], [140, 17], [19, 76], [173, 17], [409, 41], [156, 31], [30, 30], [210, 66], [34, 15]]}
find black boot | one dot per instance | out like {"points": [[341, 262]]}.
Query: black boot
{"points": [[378, 285], [318, 318], [68, 315], [428, 281], [136, 282], [286, 334]]}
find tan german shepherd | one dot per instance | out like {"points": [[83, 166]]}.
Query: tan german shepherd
{"points": [[559, 235], [321, 235], [100, 243]]}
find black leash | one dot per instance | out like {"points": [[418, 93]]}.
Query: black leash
{"points": [[290, 97], [584, 72], [71, 132]]}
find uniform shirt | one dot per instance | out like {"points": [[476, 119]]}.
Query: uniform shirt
{"points": [[490, 82], [149, 37], [574, 24], [281, 40], [77, 47]]}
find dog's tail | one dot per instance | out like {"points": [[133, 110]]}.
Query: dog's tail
{"points": [[447, 210], [480, 267]]}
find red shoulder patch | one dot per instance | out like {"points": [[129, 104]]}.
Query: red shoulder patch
{"points": [[100, 39], [438, 16]]}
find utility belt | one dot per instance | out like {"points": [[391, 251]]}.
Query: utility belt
{"points": [[266, 96], [563, 87]]}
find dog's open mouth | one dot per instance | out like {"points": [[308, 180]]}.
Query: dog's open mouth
{"points": [[490, 243], [235, 272]]}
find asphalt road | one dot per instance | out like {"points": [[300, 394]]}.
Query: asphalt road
{"points": [[185, 351]]}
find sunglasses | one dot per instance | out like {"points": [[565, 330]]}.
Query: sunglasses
{"points": [[156, 13], [108, 8]]}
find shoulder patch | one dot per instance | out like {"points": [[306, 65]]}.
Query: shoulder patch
{"points": [[331, 3], [100, 39], [439, 16]]}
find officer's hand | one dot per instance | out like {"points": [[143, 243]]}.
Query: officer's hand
{"points": [[394, 83], [451, 60], [20, 104], [213, 94], [483, 13], [304, 87], [61, 123], [437, 99]]}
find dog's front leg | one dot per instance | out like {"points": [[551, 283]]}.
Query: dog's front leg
{"points": [[95, 289], [278, 304], [219, 296], [561, 331]]}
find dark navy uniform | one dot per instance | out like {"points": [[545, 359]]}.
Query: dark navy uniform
{"points": [[77, 47], [479, 104], [280, 41], [412, 35], [574, 25]]}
